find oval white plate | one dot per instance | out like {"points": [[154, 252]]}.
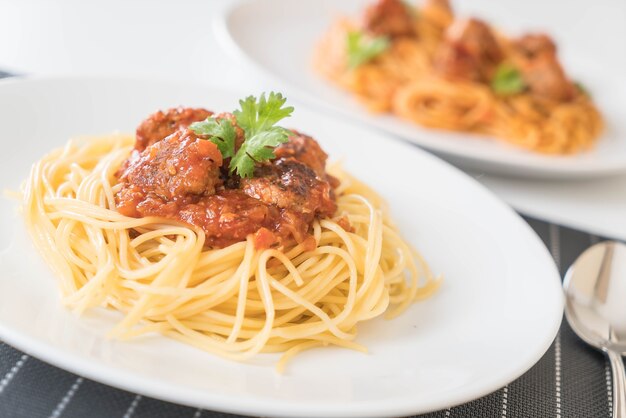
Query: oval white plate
{"points": [[278, 37], [495, 315]]}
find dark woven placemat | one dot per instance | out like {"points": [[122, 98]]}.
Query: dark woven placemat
{"points": [[570, 380]]}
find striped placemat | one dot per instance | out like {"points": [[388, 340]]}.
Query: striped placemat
{"points": [[570, 380]]}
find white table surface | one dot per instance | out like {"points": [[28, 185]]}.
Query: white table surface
{"points": [[174, 40]]}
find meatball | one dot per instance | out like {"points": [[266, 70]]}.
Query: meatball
{"points": [[470, 51], [546, 78], [290, 184], [388, 18], [306, 150], [160, 125], [535, 56], [168, 172], [229, 216], [532, 45]]}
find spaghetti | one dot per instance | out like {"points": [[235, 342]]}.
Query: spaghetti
{"points": [[452, 74], [234, 301]]}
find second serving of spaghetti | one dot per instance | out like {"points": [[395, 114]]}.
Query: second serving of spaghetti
{"points": [[430, 67], [225, 231]]}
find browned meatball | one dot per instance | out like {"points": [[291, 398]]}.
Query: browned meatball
{"points": [[290, 184], [470, 51], [546, 78], [229, 216], [388, 18], [306, 150], [160, 125], [535, 56], [532, 45], [168, 173]]}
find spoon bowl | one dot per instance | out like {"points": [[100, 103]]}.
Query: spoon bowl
{"points": [[595, 307]]}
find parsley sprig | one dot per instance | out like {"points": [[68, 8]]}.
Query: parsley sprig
{"points": [[258, 119], [220, 132], [507, 80], [362, 48]]}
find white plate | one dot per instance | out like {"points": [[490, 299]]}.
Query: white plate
{"points": [[495, 315], [596, 206], [278, 37]]}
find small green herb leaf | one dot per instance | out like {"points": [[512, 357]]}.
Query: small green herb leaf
{"points": [[259, 115], [220, 132], [258, 148], [507, 80], [362, 48], [257, 118]]}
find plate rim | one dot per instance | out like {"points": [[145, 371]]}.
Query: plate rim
{"points": [[538, 170], [129, 381]]}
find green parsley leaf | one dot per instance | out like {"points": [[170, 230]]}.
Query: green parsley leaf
{"points": [[507, 80], [362, 48], [220, 132], [258, 148], [257, 118]]}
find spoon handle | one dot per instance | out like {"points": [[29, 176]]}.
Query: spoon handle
{"points": [[619, 384]]}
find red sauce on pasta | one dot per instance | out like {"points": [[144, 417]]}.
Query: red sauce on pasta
{"points": [[176, 174]]}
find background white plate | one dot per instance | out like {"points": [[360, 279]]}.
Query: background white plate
{"points": [[495, 315], [278, 37]]}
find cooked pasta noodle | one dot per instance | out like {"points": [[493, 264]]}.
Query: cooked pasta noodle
{"points": [[235, 301]]}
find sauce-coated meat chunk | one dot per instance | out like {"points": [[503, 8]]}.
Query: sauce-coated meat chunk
{"points": [[470, 51], [545, 77], [162, 124], [535, 56], [184, 177], [388, 18], [306, 150], [169, 172], [229, 217], [290, 184], [532, 45]]}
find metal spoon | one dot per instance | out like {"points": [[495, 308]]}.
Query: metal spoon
{"points": [[595, 292]]}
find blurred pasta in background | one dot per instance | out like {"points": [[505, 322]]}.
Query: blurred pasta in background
{"points": [[440, 71]]}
